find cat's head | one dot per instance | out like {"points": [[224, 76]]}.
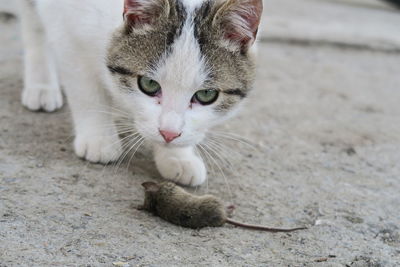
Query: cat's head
{"points": [[183, 66]]}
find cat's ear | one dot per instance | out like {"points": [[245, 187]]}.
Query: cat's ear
{"points": [[239, 21], [142, 13], [151, 187]]}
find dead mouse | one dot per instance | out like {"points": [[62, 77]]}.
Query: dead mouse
{"points": [[173, 204]]}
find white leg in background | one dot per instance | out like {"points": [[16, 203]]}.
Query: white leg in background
{"points": [[41, 84]]}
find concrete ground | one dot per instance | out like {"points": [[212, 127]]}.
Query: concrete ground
{"points": [[324, 123]]}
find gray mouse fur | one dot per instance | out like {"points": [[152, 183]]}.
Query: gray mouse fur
{"points": [[173, 204]]}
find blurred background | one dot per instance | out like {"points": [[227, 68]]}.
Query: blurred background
{"points": [[357, 23], [364, 23]]}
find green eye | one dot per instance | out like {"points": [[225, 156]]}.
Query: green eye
{"points": [[206, 97], [148, 86]]}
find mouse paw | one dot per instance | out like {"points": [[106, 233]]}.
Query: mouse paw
{"points": [[181, 166]]}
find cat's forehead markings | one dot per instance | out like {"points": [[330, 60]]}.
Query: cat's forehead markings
{"points": [[192, 4], [183, 67]]}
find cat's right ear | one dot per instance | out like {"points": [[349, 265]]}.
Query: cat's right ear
{"points": [[139, 14], [239, 21]]}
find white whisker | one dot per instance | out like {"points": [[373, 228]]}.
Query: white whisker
{"points": [[220, 169], [131, 144], [134, 152], [215, 151], [233, 137]]}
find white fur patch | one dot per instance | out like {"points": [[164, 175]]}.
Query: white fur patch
{"points": [[192, 4]]}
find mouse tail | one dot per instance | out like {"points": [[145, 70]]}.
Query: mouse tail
{"points": [[262, 228]]}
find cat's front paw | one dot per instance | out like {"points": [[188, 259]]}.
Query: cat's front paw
{"points": [[42, 98], [182, 168], [98, 149]]}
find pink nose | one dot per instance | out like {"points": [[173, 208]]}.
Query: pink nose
{"points": [[169, 136]]}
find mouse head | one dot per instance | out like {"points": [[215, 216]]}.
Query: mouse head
{"points": [[150, 195], [151, 187]]}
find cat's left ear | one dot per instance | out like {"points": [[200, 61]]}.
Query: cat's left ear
{"points": [[239, 21], [142, 13]]}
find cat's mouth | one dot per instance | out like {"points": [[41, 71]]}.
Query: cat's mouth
{"points": [[174, 144], [179, 142]]}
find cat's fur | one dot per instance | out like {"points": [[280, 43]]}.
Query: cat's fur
{"points": [[101, 46]]}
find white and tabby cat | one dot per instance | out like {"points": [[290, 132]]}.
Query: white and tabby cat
{"points": [[175, 67]]}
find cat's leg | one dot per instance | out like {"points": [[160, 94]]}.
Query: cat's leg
{"points": [[41, 85], [96, 136], [180, 165]]}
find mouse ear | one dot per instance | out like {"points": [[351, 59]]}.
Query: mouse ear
{"points": [[151, 187]]}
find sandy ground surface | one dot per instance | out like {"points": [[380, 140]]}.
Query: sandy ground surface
{"points": [[325, 127]]}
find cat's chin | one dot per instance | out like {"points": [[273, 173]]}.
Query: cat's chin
{"points": [[175, 145]]}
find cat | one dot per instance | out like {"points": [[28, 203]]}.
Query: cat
{"points": [[175, 68]]}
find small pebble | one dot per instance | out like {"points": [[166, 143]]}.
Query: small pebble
{"points": [[121, 264]]}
